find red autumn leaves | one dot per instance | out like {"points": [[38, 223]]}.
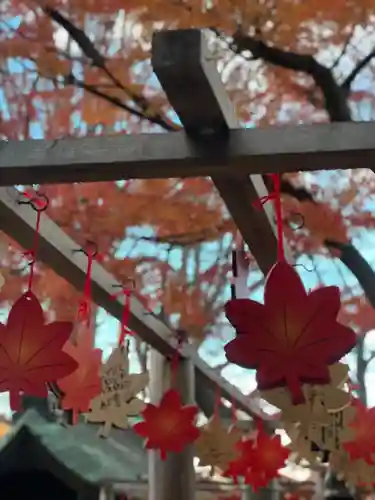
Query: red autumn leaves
{"points": [[259, 459], [84, 384], [293, 337], [32, 354], [363, 425], [290, 340], [170, 426]]}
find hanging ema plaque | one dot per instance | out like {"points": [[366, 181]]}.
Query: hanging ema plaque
{"points": [[329, 438]]}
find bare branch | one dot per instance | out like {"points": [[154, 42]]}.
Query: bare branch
{"points": [[346, 84], [98, 60], [335, 98], [344, 49], [72, 80]]}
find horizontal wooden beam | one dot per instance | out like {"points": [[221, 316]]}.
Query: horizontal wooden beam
{"points": [[242, 152], [56, 250], [133, 488], [188, 74]]}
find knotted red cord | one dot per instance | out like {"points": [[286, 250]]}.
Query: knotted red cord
{"points": [[125, 316], [39, 203], [84, 308], [275, 196]]}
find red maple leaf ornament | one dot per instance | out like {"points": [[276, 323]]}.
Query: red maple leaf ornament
{"points": [[269, 456], [293, 337], [363, 425], [238, 467], [31, 351], [84, 384], [259, 460], [170, 426]]}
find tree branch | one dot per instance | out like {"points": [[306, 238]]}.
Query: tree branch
{"points": [[359, 266], [347, 83], [338, 110], [335, 98], [99, 61], [91, 89]]}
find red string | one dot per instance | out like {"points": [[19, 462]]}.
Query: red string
{"points": [[352, 386], [275, 196], [279, 217], [125, 316], [84, 309], [31, 254]]}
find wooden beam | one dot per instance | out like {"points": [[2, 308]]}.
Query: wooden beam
{"points": [[140, 487], [56, 250], [174, 477], [187, 72], [281, 149]]}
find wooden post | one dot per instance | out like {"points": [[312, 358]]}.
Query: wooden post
{"points": [[186, 68], [246, 493], [173, 478]]}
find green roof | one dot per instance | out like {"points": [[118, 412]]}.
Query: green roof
{"points": [[75, 449]]}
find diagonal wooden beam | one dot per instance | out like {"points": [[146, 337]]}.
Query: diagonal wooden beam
{"points": [[56, 250], [146, 156], [186, 69]]}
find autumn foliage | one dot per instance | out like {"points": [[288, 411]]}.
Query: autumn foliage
{"points": [[85, 70]]}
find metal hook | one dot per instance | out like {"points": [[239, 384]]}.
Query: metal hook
{"points": [[39, 202], [313, 270], [291, 221], [86, 249]]}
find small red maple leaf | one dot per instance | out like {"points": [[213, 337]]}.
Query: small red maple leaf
{"points": [[259, 460], [169, 426], [363, 424], [31, 351], [238, 467], [268, 457], [293, 337], [81, 386]]}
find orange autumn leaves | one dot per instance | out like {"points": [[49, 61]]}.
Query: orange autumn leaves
{"points": [[81, 386], [322, 222]]}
